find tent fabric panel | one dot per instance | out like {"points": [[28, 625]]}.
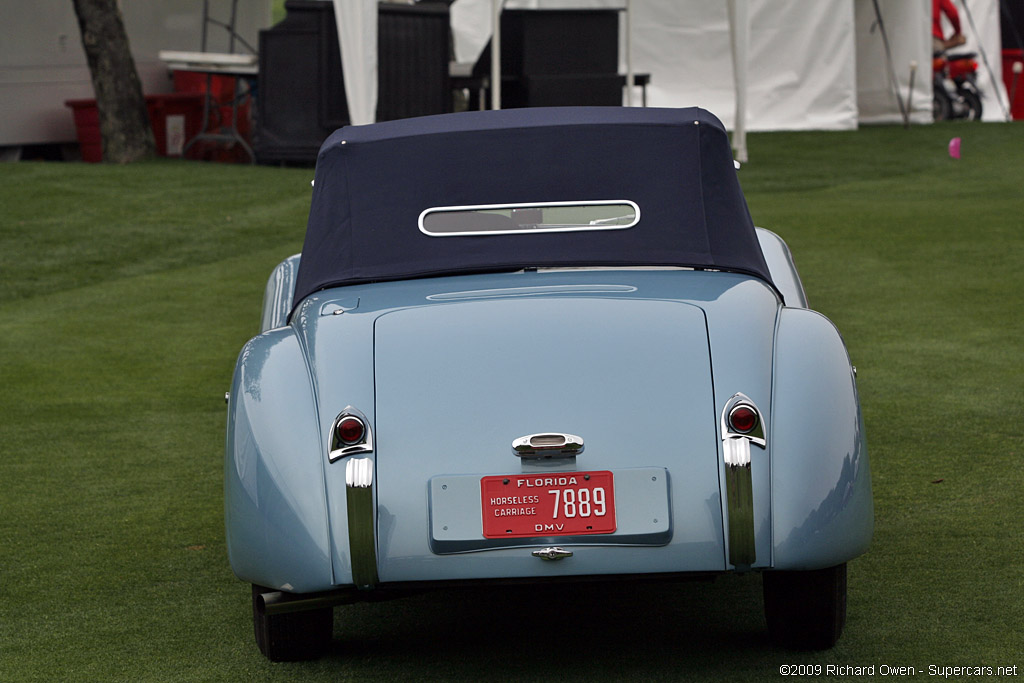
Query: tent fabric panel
{"points": [[792, 82], [357, 37], [908, 26]]}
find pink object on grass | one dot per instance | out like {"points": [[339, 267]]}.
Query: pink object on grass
{"points": [[954, 148]]}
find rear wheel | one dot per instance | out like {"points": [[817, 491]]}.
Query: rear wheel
{"points": [[942, 106], [805, 610], [972, 104], [292, 636]]}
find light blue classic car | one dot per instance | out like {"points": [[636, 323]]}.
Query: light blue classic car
{"points": [[539, 345]]}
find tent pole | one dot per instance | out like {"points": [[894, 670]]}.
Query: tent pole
{"points": [[496, 54], [630, 77], [739, 33], [910, 89], [892, 70]]}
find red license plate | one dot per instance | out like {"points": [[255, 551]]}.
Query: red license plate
{"points": [[566, 504]]}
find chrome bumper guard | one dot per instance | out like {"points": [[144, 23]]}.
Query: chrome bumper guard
{"points": [[739, 489], [362, 537]]}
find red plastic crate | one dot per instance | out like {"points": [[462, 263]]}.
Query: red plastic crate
{"points": [[175, 118], [222, 89]]}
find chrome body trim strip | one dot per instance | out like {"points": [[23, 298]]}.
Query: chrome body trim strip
{"points": [[542, 290], [362, 522], [739, 489]]}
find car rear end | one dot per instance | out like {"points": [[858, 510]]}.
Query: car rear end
{"points": [[574, 411]]}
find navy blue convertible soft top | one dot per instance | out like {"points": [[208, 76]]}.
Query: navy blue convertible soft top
{"points": [[372, 183]]}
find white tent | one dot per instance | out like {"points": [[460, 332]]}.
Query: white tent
{"points": [[799, 55], [809, 64]]}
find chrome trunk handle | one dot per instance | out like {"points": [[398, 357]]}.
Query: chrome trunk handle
{"points": [[554, 553], [548, 445]]}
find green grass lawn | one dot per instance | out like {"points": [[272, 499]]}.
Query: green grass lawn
{"points": [[126, 293]]}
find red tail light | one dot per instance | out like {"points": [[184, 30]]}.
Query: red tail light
{"points": [[350, 434], [743, 419], [351, 430]]}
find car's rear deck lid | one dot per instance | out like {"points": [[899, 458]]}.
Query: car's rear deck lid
{"points": [[458, 383]]}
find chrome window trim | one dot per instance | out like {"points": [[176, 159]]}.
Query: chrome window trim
{"points": [[527, 205]]}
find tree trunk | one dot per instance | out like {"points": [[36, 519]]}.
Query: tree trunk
{"points": [[124, 121]]}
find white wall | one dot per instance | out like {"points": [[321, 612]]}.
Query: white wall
{"points": [[42, 63]]}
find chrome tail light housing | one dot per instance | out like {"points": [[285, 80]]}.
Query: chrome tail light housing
{"points": [[742, 425], [350, 434]]}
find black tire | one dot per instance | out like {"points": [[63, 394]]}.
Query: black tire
{"points": [[805, 610], [293, 636], [973, 103], [942, 106]]}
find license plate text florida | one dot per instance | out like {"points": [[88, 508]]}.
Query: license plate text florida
{"points": [[562, 504]]}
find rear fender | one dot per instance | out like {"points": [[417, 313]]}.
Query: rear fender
{"points": [[275, 503], [822, 510], [278, 295], [780, 265]]}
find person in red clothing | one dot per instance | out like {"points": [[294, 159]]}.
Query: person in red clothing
{"points": [[939, 41]]}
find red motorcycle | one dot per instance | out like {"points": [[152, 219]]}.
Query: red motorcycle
{"points": [[955, 86]]}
